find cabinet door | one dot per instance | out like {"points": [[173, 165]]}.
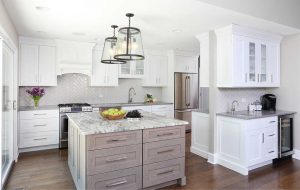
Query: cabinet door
{"points": [[274, 64], [254, 142], [98, 77], [251, 65], [162, 69], [112, 75], [29, 65], [125, 70], [192, 63], [47, 66], [263, 64], [151, 74], [139, 68]]}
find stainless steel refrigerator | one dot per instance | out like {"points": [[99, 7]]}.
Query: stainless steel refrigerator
{"points": [[186, 94]]}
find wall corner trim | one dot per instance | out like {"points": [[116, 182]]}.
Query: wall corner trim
{"points": [[296, 155]]}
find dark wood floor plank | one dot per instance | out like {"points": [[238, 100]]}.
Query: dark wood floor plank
{"points": [[48, 170]]}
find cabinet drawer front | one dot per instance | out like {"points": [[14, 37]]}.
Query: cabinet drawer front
{"points": [[39, 114], [271, 135], [154, 174], [158, 108], [100, 141], [105, 160], [38, 139], [270, 151], [163, 150], [263, 122], [39, 125], [159, 134], [122, 179]]}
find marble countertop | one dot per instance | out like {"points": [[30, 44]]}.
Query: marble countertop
{"points": [[104, 105], [246, 115], [90, 123], [31, 108]]}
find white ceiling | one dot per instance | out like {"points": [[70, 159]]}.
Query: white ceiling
{"points": [[157, 20]]}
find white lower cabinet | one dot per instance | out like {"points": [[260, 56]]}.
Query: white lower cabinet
{"points": [[39, 129], [200, 134], [244, 145]]}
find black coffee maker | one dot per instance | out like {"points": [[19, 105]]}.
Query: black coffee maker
{"points": [[268, 102]]}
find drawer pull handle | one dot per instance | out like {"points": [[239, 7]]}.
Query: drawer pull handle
{"points": [[165, 151], [38, 139], [164, 134], [272, 122], [271, 135], [117, 183], [271, 151], [40, 114], [116, 140], [40, 125], [117, 159], [165, 172]]}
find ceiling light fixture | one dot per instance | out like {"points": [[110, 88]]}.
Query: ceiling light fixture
{"points": [[176, 30], [129, 43], [78, 33], [109, 50]]}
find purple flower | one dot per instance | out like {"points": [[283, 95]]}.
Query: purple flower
{"points": [[36, 92]]}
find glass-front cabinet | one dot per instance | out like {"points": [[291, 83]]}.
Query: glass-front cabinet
{"points": [[132, 69], [263, 63], [252, 61]]}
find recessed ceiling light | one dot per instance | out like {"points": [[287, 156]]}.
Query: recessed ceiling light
{"points": [[78, 33], [176, 30], [41, 32], [42, 8]]}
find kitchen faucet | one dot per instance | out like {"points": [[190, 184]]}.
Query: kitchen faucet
{"points": [[233, 106], [131, 92]]}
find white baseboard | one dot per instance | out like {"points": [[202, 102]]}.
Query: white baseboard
{"points": [[296, 155], [199, 152], [233, 166], [211, 158], [31, 149]]}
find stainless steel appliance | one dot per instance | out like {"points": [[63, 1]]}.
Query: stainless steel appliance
{"points": [[63, 119], [285, 135], [186, 94]]}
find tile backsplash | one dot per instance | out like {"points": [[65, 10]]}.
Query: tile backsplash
{"points": [[243, 96], [73, 88]]}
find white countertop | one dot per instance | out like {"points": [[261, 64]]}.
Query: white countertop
{"points": [[31, 108], [90, 123]]}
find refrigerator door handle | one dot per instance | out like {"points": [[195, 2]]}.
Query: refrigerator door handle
{"points": [[185, 89], [189, 90]]}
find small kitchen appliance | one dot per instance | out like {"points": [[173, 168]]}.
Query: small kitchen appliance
{"points": [[268, 102]]}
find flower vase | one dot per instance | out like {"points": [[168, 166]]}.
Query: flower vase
{"points": [[36, 102]]}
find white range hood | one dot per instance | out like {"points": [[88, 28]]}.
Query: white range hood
{"points": [[74, 57]]}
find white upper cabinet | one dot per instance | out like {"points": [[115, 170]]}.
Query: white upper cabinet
{"points": [[37, 63], [247, 58], [156, 70], [132, 69], [186, 63], [103, 74], [204, 59]]}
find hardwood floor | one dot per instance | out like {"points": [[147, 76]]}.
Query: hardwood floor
{"points": [[48, 170]]}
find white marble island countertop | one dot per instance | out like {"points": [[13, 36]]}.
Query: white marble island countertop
{"points": [[90, 123]]}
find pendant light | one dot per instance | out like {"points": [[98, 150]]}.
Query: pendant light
{"points": [[109, 50], [129, 43]]}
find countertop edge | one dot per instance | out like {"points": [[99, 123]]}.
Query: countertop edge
{"points": [[251, 117]]}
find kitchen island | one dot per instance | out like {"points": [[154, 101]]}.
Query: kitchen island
{"points": [[122, 154]]}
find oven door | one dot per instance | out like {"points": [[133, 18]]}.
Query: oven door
{"points": [[285, 136], [63, 131]]}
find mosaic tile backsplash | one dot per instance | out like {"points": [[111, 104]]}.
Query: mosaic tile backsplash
{"points": [[73, 88], [243, 96]]}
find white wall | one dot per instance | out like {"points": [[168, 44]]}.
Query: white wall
{"points": [[7, 25], [289, 92]]}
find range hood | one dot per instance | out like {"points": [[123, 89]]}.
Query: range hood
{"points": [[74, 57]]}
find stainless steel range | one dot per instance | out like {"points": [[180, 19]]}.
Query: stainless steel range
{"points": [[63, 119]]}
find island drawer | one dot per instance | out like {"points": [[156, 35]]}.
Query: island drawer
{"points": [[109, 140], [157, 173], [163, 150], [164, 133], [106, 160], [122, 179]]}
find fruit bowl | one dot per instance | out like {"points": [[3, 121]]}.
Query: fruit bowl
{"points": [[113, 114]]}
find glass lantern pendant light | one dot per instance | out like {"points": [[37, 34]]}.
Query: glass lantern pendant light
{"points": [[109, 50], [129, 43]]}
